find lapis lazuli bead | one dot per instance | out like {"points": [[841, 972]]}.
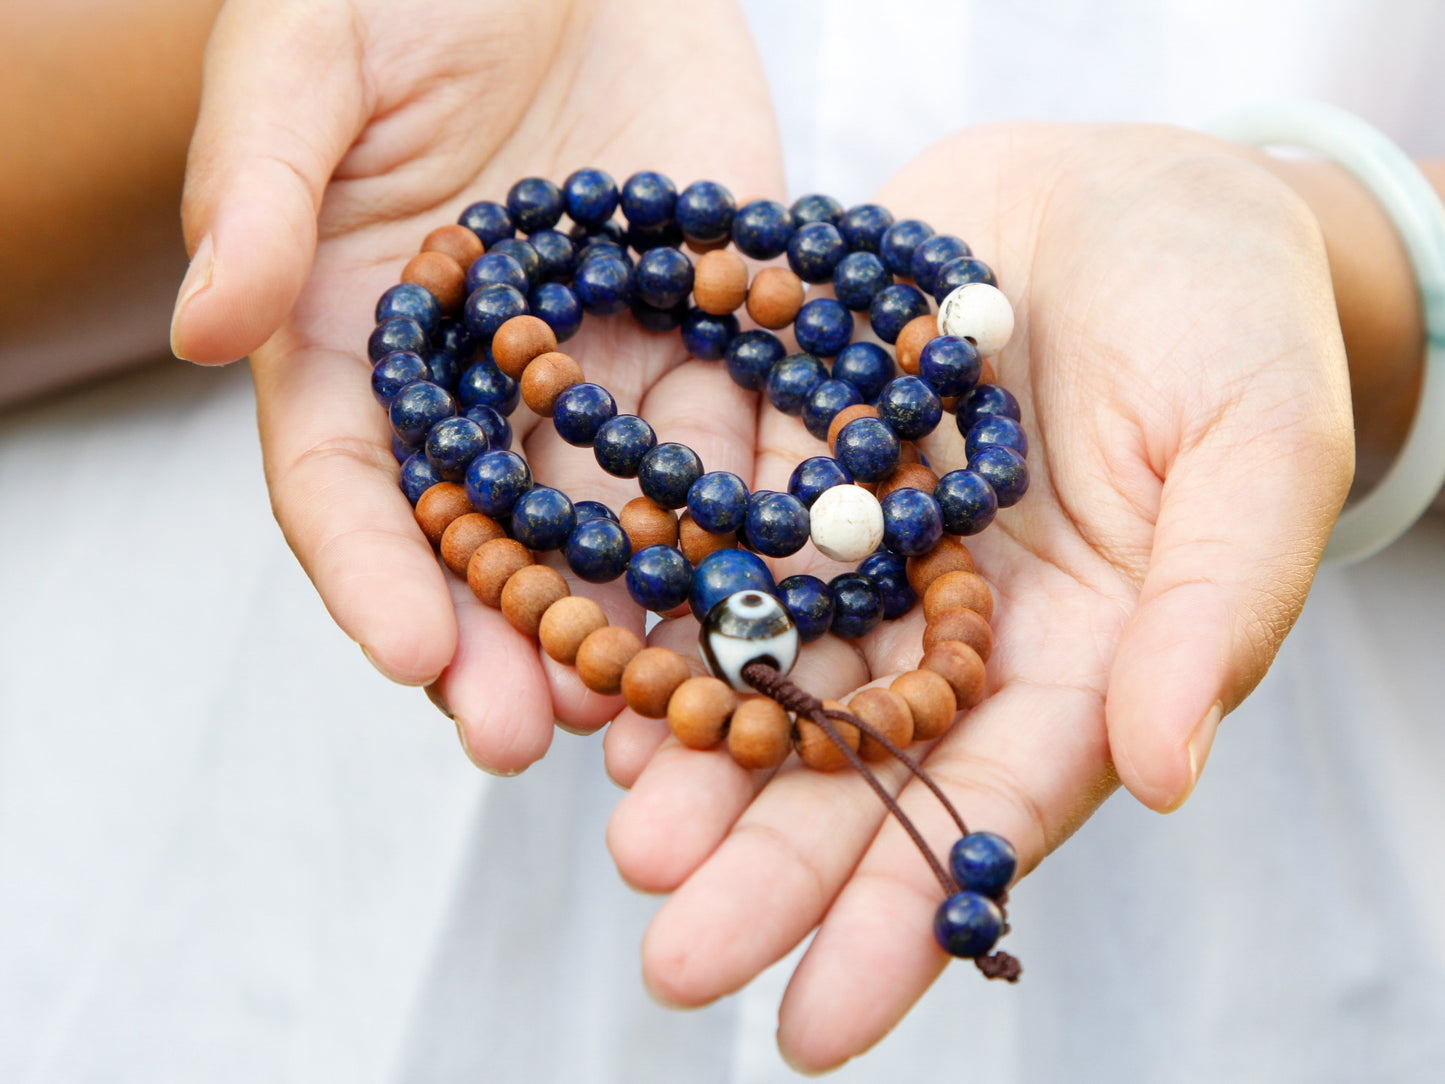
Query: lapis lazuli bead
{"points": [[417, 476], [983, 862], [445, 369], [494, 423], [950, 365], [816, 207], [823, 327], [667, 472], [525, 255], [910, 407], [930, 256], [659, 578], [867, 366], [718, 502], [599, 244], [597, 549], [967, 502], [792, 380], [761, 229], [867, 448], [489, 307], [723, 572], [996, 429], [621, 443], [495, 480], [961, 272], [810, 603], [894, 307], [912, 522], [593, 510], [986, 399], [705, 336], [452, 444], [814, 476], [663, 277], [483, 384], [648, 199], [453, 336], [658, 320], [580, 410], [556, 252], [751, 356], [543, 518], [967, 925], [889, 573], [558, 307], [862, 226], [590, 196], [409, 299], [814, 251], [823, 405], [1005, 470], [705, 211], [777, 524], [610, 232], [401, 451], [394, 372], [857, 605], [398, 333], [492, 267], [859, 278], [645, 240], [899, 242], [603, 284], [418, 407], [535, 203], [489, 220]]}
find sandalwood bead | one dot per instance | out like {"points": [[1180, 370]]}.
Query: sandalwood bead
{"points": [[438, 506], [604, 656], [955, 590], [440, 275], [817, 749], [886, 712], [930, 699], [908, 453], [986, 375], [846, 415], [950, 555], [701, 248], [916, 334], [719, 282], [518, 341], [960, 624], [456, 241], [697, 543], [760, 734], [908, 476], [568, 622], [775, 298], [492, 565], [527, 594], [699, 710], [648, 524], [950, 403], [463, 536], [650, 679], [546, 377], [959, 665]]}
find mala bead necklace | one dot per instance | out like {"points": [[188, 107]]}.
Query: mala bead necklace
{"points": [[474, 328]]}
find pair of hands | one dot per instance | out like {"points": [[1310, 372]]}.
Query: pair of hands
{"points": [[1177, 357]]}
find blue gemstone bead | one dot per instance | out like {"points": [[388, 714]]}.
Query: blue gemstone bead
{"points": [[718, 502], [816, 207], [815, 250], [418, 407], [446, 369], [452, 444], [581, 410], [761, 229], [535, 203], [792, 380], [859, 278], [996, 429], [396, 371], [706, 337], [823, 327], [401, 451], [524, 254], [590, 196], [867, 366], [1002, 468], [950, 365], [899, 242], [603, 284], [495, 480], [912, 522], [489, 220], [663, 277], [610, 232], [648, 199], [823, 405], [543, 518], [814, 476], [894, 307], [967, 925], [810, 603], [409, 299], [489, 307], [494, 424], [751, 356], [777, 524], [967, 502], [983, 862], [910, 407], [724, 572], [398, 333], [867, 448], [862, 227], [621, 443], [557, 306], [492, 267], [857, 605], [930, 256], [659, 578], [705, 211], [453, 336], [598, 244], [598, 549], [889, 573], [667, 472], [656, 320], [417, 476], [556, 252], [986, 399], [593, 510], [643, 240], [483, 384], [961, 272]]}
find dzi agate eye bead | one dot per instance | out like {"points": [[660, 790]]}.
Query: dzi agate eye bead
{"points": [[748, 626]]}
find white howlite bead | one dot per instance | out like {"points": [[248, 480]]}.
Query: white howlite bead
{"points": [[846, 523], [748, 626], [979, 312]]}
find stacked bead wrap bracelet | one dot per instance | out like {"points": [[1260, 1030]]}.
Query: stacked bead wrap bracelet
{"points": [[474, 327]]}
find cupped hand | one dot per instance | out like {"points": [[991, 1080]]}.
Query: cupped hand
{"points": [[1183, 383], [333, 137]]}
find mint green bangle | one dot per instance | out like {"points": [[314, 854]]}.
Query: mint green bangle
{"points": [[1371, 523]]}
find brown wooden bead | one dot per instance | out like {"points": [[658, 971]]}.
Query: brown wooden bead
{"points": [[648, 524], [440, 275], [696, 543], [438, 506], [650, 679], [817, 749], [719, 282], [960, 624], [456, 241], [760, 735], [953, 590], [527, 594], [886, 712], [908, 476], [931, 700], [604, 656], [699, 710], [462, 538], [568, 622], [950, 403], [846, 415], [545, 378], [986, 375], [492, 565], [915, 335], [701, 248], [950, 555], [518, 341], [908, 453], [960, 666], [775, 297]]}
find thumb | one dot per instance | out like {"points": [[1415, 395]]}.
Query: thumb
{"points": [[283, 99]]}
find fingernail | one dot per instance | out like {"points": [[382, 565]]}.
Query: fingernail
{"points": [[1198, 748], [467, 749], [433, 693], [198, 277], [384, 672]]}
